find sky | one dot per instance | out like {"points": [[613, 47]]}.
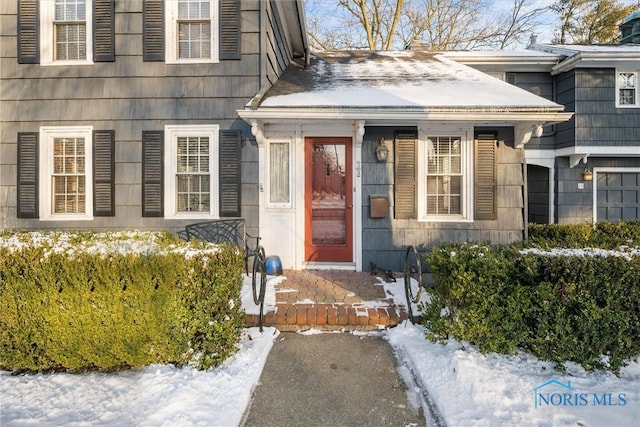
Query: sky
{"points": [[544, 30]]}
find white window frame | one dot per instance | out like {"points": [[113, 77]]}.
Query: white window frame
{"points": [[283, 205], [171, 35], [45, 163], [47, 43], [172, 132], [637, 90], [466, 140]]}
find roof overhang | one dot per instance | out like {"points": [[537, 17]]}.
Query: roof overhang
{"points": [[596, 60], [295, 23], [527, 122], [595, 56], [516, 61], [391, 114]]}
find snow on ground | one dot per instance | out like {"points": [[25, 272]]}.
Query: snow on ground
{"points": [[466, 387], [469, 388]]}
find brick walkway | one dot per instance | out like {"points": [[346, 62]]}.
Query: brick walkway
{"points": [[332, 299]]}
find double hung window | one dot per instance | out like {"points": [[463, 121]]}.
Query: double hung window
{"points": [[66, 171], [191, 178], [444, 169], [66, 36], [191, 25], [627, 89]]}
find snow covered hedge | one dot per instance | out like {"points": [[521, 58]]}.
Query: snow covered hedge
{"points": [[560, 305], [107, 301]]}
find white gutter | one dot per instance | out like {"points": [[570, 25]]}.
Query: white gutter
{"points": [[547, 116]]}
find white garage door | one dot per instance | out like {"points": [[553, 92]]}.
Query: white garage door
{"points": [[618, 196]]}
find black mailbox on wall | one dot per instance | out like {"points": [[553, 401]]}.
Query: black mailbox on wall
{"points": [[378, 206]]}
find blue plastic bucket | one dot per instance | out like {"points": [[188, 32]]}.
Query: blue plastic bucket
{"points": [[274, 265]]}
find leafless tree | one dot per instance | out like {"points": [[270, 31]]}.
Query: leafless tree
{"points": [[435, 24]]}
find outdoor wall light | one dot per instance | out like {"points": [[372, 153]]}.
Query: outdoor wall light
{"points": [[382, 152], [587, 175]]}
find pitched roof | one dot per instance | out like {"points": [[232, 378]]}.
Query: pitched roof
{"points": [[407, 80]]}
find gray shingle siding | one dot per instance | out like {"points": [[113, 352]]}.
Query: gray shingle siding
{"points": [[385, 239], [128, 96], [598, 121]]}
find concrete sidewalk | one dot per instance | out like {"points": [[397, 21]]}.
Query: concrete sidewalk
{"points": [[333, 379]]}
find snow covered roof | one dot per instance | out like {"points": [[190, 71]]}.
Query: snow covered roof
{"points": [[409, 80]]}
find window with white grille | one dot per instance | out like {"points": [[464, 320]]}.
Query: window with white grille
{"points": [[191, 171], [193, 174], [65, 173], [627, 84], [66, 32], [69, 181], [444, 176], [70, 29], [191, 26]]}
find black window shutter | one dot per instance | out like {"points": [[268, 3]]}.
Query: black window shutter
{"points": [[28, 32], [103, 31], [229, 29], [27, 175], [486, 174], [153, 30], [405, 175], [104, 173], [152, 173], [230, 173]]}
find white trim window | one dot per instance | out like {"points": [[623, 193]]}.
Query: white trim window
{"points": [[66, 190], [627, 89], [66, 35], [444, 171], [279, 156], [191, 27], [191, 172]]}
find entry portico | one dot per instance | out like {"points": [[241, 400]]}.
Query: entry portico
{"points": [[318, 128]]}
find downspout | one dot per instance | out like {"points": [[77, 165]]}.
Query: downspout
{"points": [[525, 189], [303, 33]]}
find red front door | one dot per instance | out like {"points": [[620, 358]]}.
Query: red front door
{"points": [[328, 200]]}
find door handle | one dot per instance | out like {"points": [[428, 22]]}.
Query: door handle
{"points": [[349, 206]]}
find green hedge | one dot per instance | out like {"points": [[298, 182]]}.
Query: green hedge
{"points": [[581, 306], [75, 303], [606, 235]]}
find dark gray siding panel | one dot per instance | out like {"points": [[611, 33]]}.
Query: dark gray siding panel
{"points": [[598, 121], [153, 30], [278, 54], [104, 173], [229, 29], [541, 84], [565, 95], [618, 196], [538, 194], [230, 173], [27, 175], [28, 32], [574, 205], [129, 96], [103, 31], [152, 173]]}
